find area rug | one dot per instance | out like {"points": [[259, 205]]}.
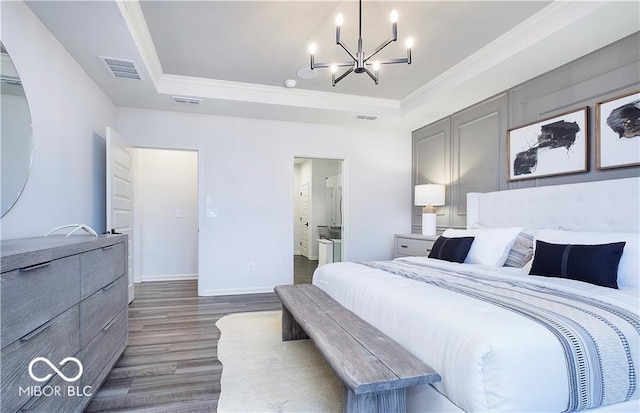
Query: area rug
{"points": [[261, 373]]}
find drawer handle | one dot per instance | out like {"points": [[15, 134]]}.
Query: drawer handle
{"points": [[35, 332], [108, 247], [404, 246], [35, 267], [108, 287], [109, 324]]}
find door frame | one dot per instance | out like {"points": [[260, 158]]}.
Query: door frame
{"points": [[346, 227], [200, 196]]}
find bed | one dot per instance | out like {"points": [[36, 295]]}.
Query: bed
{"points": [[504, 340]]}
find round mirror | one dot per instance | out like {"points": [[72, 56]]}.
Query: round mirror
{"points": [[16, 137]]}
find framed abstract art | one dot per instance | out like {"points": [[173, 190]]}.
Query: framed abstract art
{"points": [[618, 131], [551, 146]]}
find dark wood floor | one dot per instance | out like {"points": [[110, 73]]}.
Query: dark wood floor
{"points": [[303, 269], [171, 363]]}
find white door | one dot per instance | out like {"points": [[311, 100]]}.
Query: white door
{"points": [[120, 193], [304, 217]]}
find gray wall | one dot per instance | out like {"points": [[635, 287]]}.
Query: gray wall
{"points": [[467, 151]]}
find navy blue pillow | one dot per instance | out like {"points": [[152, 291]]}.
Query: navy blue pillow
{"points": [[451, 249], [595, 264]]}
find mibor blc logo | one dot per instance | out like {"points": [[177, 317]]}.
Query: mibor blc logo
{"points": [[61, 391], [58, 372]]}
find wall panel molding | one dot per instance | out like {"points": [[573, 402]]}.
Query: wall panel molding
{"points": [[431, 148], [476, 138]]}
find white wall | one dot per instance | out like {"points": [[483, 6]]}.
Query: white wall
{"points": [[69, 114], [246, 168], [166, 182]]}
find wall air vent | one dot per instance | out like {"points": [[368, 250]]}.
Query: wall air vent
{"points": [[121, 68], [184, 99], [366, 117]]}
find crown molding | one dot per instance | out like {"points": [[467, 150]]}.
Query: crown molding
{"points": [[553, 18], [273, 95], [137, 25]]}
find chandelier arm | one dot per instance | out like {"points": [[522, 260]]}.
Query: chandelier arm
{"points": [[393, 61], [382, 46], [372, 76], [328, 65], [335, 80], [346, 49]]}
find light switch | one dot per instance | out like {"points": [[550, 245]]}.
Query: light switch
{"points": [[211, 213], [178, 213], [207, 201]]}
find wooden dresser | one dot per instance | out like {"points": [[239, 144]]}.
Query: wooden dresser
{"points": [[60, 297]]}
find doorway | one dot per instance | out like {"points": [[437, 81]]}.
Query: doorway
{"points": [[166, 214], [318, 215]]}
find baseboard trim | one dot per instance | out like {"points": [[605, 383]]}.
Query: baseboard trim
{"points": [[167, 277], [236, 291]]}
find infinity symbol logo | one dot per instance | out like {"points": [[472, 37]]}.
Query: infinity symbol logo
{"points": [[58, 372]]}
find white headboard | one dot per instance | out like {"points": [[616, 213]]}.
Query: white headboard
{"points": [[612, 205]]}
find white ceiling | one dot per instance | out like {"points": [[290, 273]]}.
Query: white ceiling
{"points": [[236, 55]]}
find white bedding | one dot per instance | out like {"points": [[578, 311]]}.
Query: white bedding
{"points": [[490, 359]]}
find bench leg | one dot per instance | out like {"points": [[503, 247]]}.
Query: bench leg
{"points": [[291, 330], [390, 401]]}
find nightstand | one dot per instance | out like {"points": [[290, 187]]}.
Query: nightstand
{"points": [[416, 245]]}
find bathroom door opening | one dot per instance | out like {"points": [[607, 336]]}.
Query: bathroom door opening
{"points": [[319, 223]]}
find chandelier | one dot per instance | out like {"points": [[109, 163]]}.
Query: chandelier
{"points": [[360, 62]]}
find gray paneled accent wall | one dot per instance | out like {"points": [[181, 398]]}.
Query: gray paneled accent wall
{"points": [[467, 151]]}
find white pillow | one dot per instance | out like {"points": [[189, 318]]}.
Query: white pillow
{"points": [[490, 245], [629, 267]]}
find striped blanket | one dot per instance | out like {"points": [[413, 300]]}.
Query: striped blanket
{"points": [[600, 340]]}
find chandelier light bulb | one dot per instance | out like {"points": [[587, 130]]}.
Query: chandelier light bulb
{"points": [[394, 16], [334, 68], [376, 66], [409, 42], [313, 48], [339, 19]]}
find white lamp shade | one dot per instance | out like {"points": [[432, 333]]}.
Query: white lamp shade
{"points": [[429, 194]]}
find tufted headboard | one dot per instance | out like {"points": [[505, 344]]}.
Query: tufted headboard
{"points": [[612, 205]]}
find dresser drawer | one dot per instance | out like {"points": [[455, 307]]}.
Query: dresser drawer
{"points": [[100, 267], [102, 347], [100, 307], [55, 340], [34, 295], [413, 247]]}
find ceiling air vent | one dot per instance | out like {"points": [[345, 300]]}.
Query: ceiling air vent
{"points": [[184, 99], [121, 68], [366, 117]]}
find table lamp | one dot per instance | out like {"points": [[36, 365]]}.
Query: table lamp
{"points": [[428, 196]]}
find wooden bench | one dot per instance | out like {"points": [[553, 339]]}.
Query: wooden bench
{"points": [[374, 369]]}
